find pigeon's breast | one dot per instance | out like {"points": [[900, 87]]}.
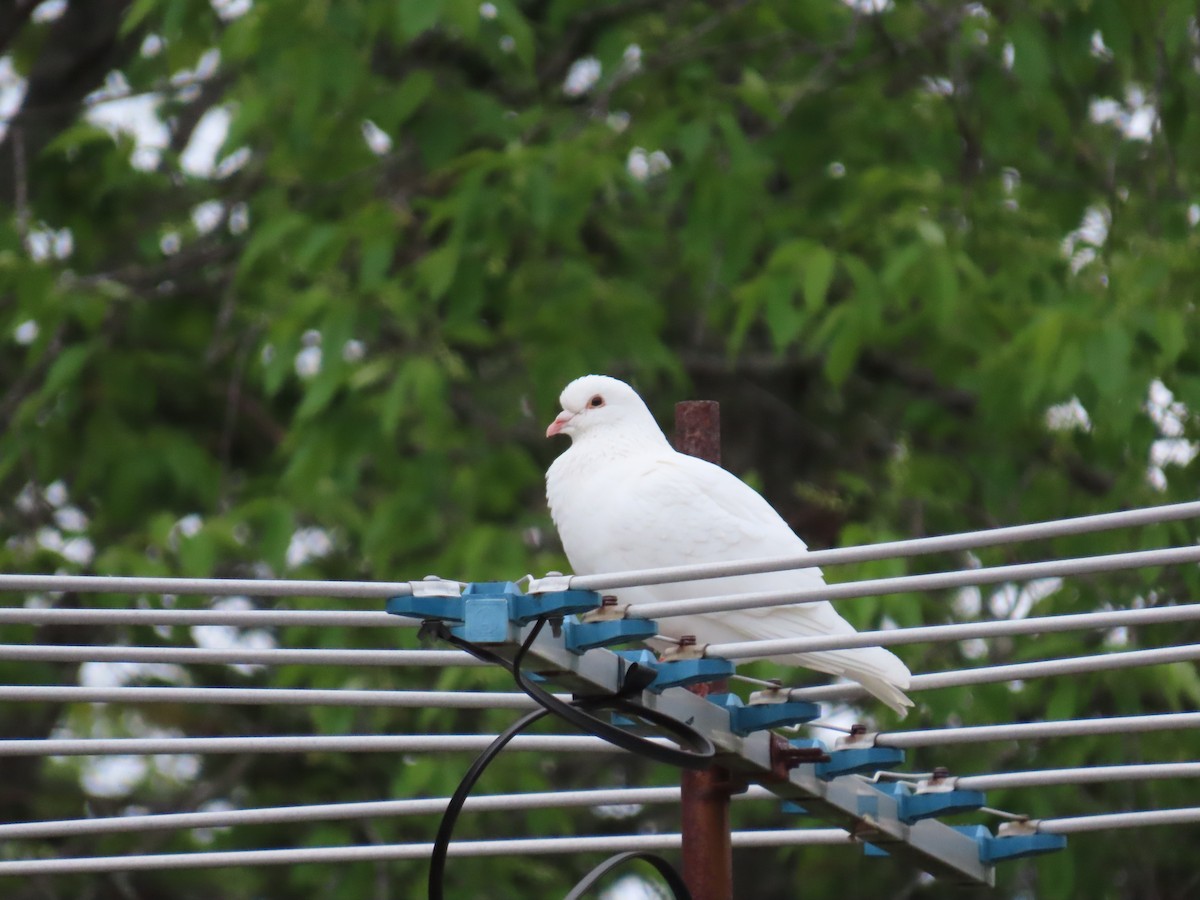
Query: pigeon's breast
{"points": [[595, 508]]}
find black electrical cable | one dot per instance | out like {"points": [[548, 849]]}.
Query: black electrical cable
{"points": [[664, 868], [695, 751], [441, 844]]}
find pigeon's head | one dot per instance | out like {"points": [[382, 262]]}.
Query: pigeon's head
{"points": [[599, 404]]}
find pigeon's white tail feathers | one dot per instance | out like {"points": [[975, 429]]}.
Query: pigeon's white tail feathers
{"points": [[880, 672]]}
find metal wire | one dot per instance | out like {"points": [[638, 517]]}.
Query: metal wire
{"points": [[327, 812], [376, 853], [1140, 819], [256, 587], [1085, 775], [243, 618], [906, 583], [574, 743], [893, 549], [267, 696], [1074, 665], [974, 734], [302, 743], [236, 656], [957, 632], [213, 587]]}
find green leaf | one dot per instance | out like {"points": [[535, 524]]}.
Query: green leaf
{"points": [[418, 16], [1031, 59], [375, 260], [818, 275], [138, 12], [408, 96], [66, 369], [438, 268]]}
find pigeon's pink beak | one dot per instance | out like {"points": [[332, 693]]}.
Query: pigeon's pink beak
{"points": [[559, 423]]}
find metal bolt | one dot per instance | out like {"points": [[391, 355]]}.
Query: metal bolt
{"points": [[687, 640], [857, 730], [940, 773], [785, 757], [608, 600]]}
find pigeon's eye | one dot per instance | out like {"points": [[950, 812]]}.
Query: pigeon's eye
{"points": [[596, 401]]}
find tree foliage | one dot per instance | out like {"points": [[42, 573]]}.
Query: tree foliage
{"points": [[938, 259]]}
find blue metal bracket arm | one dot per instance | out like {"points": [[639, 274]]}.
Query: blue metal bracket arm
{"points": [[744, 720], [581, 636], [994, 849]]}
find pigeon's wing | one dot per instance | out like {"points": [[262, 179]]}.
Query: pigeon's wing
{"points": [[670, 509], [679, 510]]}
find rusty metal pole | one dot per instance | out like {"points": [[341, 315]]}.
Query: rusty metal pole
{"points": [[704, 809]]}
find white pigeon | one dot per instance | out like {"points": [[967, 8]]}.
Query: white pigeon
{"points": [[622, 499]]}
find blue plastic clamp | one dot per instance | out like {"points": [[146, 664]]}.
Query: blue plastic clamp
{"points": [[919, 806], [524, 608], [581, 636], [486, 606], [744, 720], [994, 849], [484, 611], [447, 609], [793, 808], [912, 807], [680, 672], [855, 760]]}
